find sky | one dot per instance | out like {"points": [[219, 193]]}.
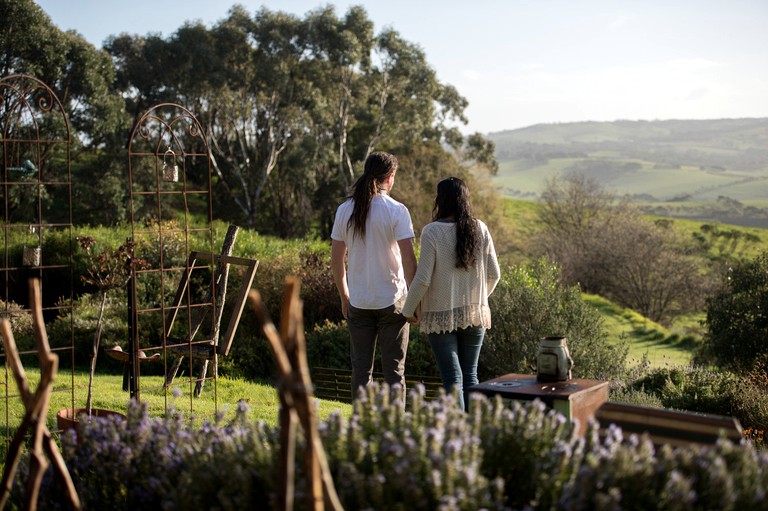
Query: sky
{"points": [[526, 62]]}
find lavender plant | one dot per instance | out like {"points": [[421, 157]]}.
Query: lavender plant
{"points": [[168, 463], [629, 473], [421, 455], [425, 457]]}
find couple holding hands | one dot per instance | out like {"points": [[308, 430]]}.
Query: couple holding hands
{"points": [[382, 290]]}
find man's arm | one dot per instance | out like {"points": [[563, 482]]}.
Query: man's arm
{"points": [[409, 259], [339, 269]]}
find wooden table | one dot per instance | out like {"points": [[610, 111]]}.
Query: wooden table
{"points": [[577, 398]]}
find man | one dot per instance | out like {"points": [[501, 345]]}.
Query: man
{"points": [[376, 233]]}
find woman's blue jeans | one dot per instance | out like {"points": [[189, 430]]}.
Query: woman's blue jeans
{"points": [[457, 353]]}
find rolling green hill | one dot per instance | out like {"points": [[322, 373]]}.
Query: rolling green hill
{"points": [[712, 170]]}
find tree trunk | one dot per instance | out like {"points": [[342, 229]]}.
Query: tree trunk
{"points": [[96, 341]]}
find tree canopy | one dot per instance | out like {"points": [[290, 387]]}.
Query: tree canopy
{"points": [[609, 248], [291, 105]]}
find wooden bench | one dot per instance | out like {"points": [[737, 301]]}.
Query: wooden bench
{"points": [[336, 384], [673, 427]]}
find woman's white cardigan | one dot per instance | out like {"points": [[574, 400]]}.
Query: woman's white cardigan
{"points": [[452, 298]]}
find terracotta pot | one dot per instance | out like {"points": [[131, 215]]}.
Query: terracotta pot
{"points": [[68, 418]]}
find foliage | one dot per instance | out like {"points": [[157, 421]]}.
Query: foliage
{"points": [[530, 303], [146, 463], [79, 74], [385, 457], [607, 247], [532, 449], [628, 473], [698, 389], [427, 455], [250, 356], [328, 345], [737, 318], [294, 105], [690, 388], [750, 403], [84, 324], [107, 271], [21, 324]]}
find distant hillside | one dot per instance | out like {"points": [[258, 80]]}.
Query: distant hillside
{"points": [[712, 170]]}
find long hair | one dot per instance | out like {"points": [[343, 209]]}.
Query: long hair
{"points": [[453, 200], [378, 167]]}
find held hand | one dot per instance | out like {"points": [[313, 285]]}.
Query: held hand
{"points": [[414, 320]]}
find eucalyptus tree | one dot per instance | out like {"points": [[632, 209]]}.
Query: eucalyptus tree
{"points": [[292, 106]]}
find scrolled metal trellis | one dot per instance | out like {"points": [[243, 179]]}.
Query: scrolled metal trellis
{"points": [[170, 202], [36, 189]]}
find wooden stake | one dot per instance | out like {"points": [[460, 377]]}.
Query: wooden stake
{"points": [[296, 395]]}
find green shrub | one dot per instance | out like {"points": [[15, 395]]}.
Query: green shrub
{"points": [[632, 475], [167, 463], [691, 388], [420, 360], [385, 457], [737, 318], [21, 324], [528, 304], [635, 397], [318, 291], [750, 402], [250, 357], [328, 345], [697, 389]]}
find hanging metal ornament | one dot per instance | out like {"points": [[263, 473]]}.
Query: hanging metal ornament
{"points": [[32, 256], [170, 171]]}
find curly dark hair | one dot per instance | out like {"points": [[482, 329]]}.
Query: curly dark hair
{"points": [[452, 200], [378, 167]]}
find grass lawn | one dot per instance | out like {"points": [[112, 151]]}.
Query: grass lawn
{"points": [[262, 398]]}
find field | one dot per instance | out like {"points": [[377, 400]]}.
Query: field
{"points": [[713, 170]]}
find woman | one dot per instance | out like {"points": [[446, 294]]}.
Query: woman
{"points": [[457, 272], [375, 233]]}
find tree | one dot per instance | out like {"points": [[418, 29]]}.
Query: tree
{"points": [[293, 106], [608, 247], [649, 268], [79, 74], [82, 78], [107, 271], [737, 318], [574, 210]]}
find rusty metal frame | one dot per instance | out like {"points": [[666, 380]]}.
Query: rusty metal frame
{"points": [[167, 137], [35, 140]]}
